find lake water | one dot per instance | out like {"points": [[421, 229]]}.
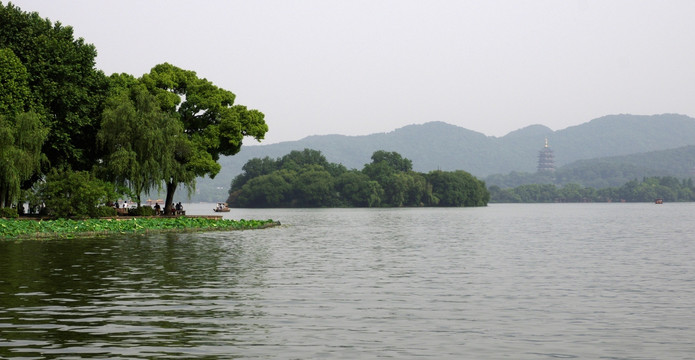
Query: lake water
{"points": [[545, 281]]}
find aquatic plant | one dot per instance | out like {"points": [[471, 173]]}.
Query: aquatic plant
{"points": [[14, 228]]}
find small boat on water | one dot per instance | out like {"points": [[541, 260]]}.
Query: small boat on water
{"points": [[221, 207], [659, 201]]}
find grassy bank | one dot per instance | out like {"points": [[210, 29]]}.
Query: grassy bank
{"points": [[23, 229]]}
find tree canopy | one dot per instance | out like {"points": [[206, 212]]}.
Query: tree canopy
{"points": [[212, 124], [15, 95], [306, 179], [67, 91], [20, 153], [21, 133], [61, 116], [139, 137]]}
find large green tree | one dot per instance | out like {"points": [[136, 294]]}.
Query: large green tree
{"points": [[253, 168], [20, 153], [393, 159], [297, 159], [355, 189], [401, 186], [139, 137], [457, 188], [21, 133], [211, 121], [314, 187], [270, 190], [66, 88], [15, 95]]}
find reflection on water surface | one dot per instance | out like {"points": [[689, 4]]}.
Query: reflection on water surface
{"points": [[506, 281]]}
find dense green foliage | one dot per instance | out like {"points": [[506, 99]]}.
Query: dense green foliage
{"points": [[15, 95], [21, 132], [21, 137], [668, 188], [212, 124], [140, 138], [74, 194], [141, 211], [8, 213], [11, 229], [68, 130], [108, 211], [306, 179], [65, 88]]}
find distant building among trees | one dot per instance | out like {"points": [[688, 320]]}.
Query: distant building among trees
{"points": [[546, 160]]}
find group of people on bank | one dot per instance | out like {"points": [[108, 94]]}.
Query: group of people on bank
{"points": [[176, 209]]}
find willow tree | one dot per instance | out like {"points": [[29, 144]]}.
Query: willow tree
{"points": [[212, 124], [21, 139], [140, 139], [21, 133]]}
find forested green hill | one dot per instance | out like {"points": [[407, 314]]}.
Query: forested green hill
{"points": [[438, 145], [616, 170], [609, 171]]}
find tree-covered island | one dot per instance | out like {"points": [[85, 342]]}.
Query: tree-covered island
{"points": [[74, 140], [306, 179]]}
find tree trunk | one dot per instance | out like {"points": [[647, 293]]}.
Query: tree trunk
{"points": [[5, 195], [171, 188], [137, 197]]}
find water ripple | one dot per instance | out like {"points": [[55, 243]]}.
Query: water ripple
{"points": [[508, 281]]}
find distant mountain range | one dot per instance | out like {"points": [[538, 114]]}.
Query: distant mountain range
{"points": [[438, 145]]}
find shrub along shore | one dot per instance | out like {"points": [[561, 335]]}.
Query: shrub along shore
{"points": [[62, 228]]}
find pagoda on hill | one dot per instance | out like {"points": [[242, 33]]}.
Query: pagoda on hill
{"points": [[546, 160]]}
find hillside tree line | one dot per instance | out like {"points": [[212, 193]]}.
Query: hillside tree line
{"points": [[667, 188]]}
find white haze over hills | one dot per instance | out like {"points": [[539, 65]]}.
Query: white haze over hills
{"points": [[361, 67], [439, 145]]}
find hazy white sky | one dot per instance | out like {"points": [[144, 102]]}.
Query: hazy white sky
{"points": [[357, 67]]}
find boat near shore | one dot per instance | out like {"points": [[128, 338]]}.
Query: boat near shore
{"points": [[222, 207]]}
